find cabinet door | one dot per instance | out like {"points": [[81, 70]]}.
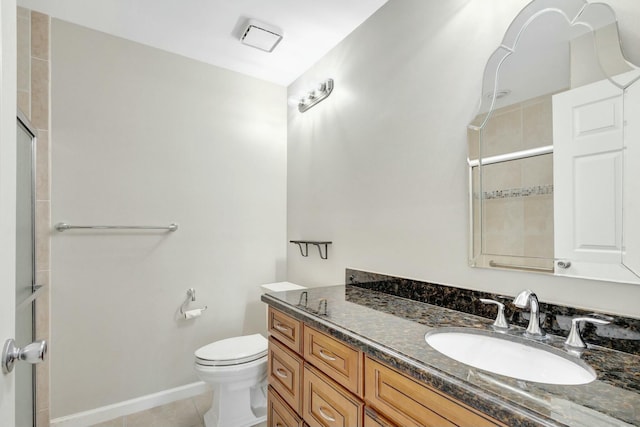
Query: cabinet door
{"points": [[279, 413], [339, 361], [285, 374], [407, 402], [326, 404], [287, 329]]}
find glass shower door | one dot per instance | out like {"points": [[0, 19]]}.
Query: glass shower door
{"points": [[25, 270]]}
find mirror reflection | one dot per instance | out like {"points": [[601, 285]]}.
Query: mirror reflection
{"points": [[551, 151]]}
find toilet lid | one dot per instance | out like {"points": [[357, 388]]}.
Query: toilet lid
{"points": [[232, 351]]}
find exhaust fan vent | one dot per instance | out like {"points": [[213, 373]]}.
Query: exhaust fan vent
{"points": [[261, 36]]}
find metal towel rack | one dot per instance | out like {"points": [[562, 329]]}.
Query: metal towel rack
{"points": [[62, 226], [492, 263]]}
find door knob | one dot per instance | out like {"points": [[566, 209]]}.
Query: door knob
{"points": [[31, 353]]}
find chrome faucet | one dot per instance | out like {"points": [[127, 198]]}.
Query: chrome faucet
{"points": [[527, 299], [574, 340]]}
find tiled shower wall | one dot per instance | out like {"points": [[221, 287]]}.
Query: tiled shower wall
{"points": [[33, 100], [517, 195]]}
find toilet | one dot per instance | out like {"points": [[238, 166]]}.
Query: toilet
{"points": [[236, 370]]}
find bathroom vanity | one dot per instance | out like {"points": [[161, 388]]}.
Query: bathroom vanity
{"points": [[350, 356]]}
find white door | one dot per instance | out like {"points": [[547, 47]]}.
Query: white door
{"points": [[7, 197], [631, 207], [588, 139]]}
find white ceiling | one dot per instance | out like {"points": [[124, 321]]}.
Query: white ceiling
{"points": [[209, 30]]}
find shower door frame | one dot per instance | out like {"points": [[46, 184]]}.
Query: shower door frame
{"points": [[23, 122]]}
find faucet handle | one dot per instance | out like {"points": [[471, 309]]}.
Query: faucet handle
{"points": [[501, 321], [574, 339]]}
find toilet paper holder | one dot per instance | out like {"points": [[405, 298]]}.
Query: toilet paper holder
{"points": [[188, 314]]}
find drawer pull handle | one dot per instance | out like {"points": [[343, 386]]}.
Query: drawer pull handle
{"points": [[324, 415], [281, 328], [281, 373], [279, 425], [326, 356]]}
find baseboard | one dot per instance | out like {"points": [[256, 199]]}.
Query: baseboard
{"points": [[128, 407]]}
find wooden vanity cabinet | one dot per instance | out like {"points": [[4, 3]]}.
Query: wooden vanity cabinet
{"points": [[326, 404], [339, 361], [279, 414], [407, 402], [317, 380], [285, 328], [373, 419], [284, 370], [319, 384]]}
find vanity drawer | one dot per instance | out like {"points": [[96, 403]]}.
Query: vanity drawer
{"points": [[285, 374], [406, 402], [373, 419], [279, 414], [326, 404], [287, 329], [334, 358]]}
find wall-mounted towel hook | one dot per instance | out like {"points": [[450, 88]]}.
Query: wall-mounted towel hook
{"points": [[190, 314]]}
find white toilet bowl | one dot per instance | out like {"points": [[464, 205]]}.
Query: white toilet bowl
{"points": [[236, 370]]}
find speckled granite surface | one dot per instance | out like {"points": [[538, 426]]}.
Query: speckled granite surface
{"points": [[623, 333], [392, 329]]}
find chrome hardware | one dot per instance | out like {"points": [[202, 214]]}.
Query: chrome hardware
{"points": [[323, 90], [191, 296], [325, 414], [527, 299], [281, 373], [492, 263], [30, 353], [501, 321], [62, 226], [281, 327], [326, 355], [564, 264], [574, 339]]}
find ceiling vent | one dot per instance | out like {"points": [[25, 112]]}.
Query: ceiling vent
{"points": [[261, 36]]}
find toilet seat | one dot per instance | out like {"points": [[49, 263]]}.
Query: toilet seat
{"points": [[233, 351]]}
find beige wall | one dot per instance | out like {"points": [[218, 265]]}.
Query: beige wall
{"points": [[141, 136], [380, 168]]}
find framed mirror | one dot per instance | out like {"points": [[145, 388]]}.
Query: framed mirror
{"points": [[554, 148]]}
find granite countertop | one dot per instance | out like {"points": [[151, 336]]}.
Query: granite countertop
{"points": [[392, 329]]}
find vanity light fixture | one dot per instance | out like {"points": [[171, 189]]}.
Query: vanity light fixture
{"points": [[323, 90]]}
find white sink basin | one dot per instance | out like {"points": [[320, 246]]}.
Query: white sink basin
{"points": [[511, 356]]}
